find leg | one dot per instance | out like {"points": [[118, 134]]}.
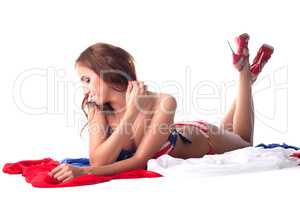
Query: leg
{"points": [[227, 121], [220, 140], [240, 119], [243, 118]]}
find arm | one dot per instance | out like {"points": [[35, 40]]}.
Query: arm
{"points": [[66, 172], [107, 151], [97, 128], [155, 137]]}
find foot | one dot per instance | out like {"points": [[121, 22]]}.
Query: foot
{"points": [[262, 57], [241, 56]]}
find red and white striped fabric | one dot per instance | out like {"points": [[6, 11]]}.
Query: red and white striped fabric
{"points": [[202, 125]]}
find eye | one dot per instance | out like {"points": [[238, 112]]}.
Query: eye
{"points": [[85, 79]]}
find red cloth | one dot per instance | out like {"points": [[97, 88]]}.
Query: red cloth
{"points": [[36, 173], [296, 154]]}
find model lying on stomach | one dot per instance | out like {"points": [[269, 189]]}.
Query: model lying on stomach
{"points": [[128, 124]]}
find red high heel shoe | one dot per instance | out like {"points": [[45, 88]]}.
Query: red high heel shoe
{"points": [[263, 55], [242, 53]]}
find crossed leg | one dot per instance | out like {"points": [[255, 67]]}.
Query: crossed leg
{"points": [[240, 117], [236, 129]]}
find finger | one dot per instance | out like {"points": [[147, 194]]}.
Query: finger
{"points": [[68, 179], [134, 86], [141, 89], [134, 83], [62, 170], [129, 87], [60, 173], [142, 85], [55, 170], [64, 175]]}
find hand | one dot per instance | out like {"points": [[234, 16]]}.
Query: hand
{"points": [[65, 172], [135, 90]]}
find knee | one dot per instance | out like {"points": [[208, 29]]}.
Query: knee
{"points": [[245, 134], [226, 126], [248, 140]]}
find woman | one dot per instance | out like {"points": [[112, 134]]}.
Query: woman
{"points": [[128, 124]]}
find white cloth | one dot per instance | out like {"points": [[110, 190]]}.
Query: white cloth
{"points": [[249, 159]]}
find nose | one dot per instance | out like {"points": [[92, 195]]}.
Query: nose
{"points": [[86, 90]]}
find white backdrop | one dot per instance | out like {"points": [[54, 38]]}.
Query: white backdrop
{"points": [[174, 43]]}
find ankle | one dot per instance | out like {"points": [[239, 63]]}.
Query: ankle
{"points": [[246, 72]]}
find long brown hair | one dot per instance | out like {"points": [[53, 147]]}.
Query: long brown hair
{"points": [[113, 64]]}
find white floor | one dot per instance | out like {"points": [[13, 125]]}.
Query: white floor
{"points": [[276, 184]]}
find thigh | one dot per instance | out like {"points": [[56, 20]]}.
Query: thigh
{"points": [[199, 146], [221, 140], [224, 140]]}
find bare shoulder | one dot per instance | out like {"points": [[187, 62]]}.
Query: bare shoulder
{"points": [[165, 102]]}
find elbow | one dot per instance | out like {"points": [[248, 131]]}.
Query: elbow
{"points": [[98, 160], [140, 162], [92, 159], [95, 161]]}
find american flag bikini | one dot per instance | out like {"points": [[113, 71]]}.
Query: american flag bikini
{"points": [[170, 144]]}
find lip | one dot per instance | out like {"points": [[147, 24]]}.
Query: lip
{"points": [[93, 100]]}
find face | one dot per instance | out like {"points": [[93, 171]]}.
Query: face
{"points": [[93, 85]]}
